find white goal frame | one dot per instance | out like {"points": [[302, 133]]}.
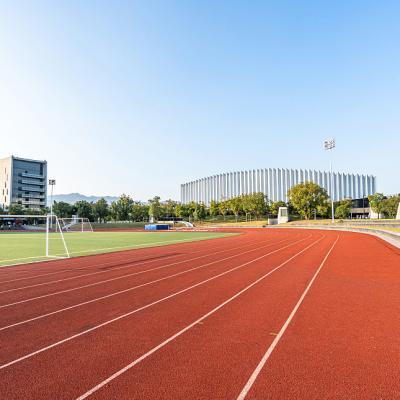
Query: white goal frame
{"points": [[50, 219], [73, 222]]}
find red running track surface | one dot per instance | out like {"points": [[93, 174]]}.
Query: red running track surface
{"points": [[269, 314]]}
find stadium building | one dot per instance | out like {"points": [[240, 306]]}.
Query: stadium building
{"points": [[274, 183], [23, 181]]}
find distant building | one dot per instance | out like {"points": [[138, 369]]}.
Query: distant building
{"points": [[274, 183], [23, 181], [360, 208]]}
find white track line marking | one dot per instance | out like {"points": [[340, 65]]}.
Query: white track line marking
{"points": [[124, 276], [144, 307], [111, 270], [278, 337], [128, 289], [115, 258], [133, 246], [171, 338]]}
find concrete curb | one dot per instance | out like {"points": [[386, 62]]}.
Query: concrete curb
{"points": [[391, 237]]}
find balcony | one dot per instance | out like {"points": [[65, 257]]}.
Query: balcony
{"points": [[31, 189], [30, 175], [32, 203], [29, 182], [32, 196]]}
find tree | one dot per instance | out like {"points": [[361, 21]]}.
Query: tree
{"points": [[214, 208], [121, 209], [390, 205], [182, 210], [191, 209], [223, 208], [169, 208], [84, 209], [101, 210], [201, 211], [16, 209], [259, 204], [236, 206], [376, 202], [155, 208], [62, 209], [343, 208], [307, 198], [139, 211]]}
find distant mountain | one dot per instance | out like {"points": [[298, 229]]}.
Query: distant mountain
{"points": [[72, 198]]}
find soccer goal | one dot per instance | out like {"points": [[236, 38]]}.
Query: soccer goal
{"points": [[29, 238], [75, 224]]}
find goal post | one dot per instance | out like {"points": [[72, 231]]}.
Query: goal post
{"points": [[31, 237], [75, 224], [50, 220]]}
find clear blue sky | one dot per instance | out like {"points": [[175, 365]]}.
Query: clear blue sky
{"points": [[138, 97]]}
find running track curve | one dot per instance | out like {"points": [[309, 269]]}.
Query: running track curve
{"points": [[269, 314]]}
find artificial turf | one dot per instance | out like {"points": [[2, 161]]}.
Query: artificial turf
{"points": [[20, 248]]}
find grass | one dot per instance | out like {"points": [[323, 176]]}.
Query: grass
{"points": [[20, 248]]}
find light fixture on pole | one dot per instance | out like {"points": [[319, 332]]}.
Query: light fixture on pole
{"points": [[329, 145], [52, 182]]}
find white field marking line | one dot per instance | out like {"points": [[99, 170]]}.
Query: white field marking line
{"points": [[181, 332], [142, 245], [140, 272], [115, 269], [125, 290], [114, 261], [143, 307], [278, 337]]}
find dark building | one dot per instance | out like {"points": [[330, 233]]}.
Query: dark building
{"points": [[23, 181]]}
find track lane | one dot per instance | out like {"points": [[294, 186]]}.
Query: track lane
{"points": [[212, 358], [73, 322], [99, 276], [343, 342], [31, 306]]}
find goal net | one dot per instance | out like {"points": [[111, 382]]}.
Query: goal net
{"points": [[30, 238], [75, 224]]}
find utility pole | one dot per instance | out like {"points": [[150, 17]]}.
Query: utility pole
{"points": [[329, 145]]}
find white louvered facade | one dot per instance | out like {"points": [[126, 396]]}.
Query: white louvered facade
{"points": [[274, 182]]}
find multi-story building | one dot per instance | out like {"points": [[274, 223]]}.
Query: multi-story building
{"points": [[23, 181], [274, 183]]}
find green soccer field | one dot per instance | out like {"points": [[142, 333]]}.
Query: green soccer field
{"points": [[20, 248]]}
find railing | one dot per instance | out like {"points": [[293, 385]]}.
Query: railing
{"points": [[30, 175], [31, 189], [32, 182]]}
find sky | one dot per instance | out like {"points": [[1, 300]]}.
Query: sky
{"points": [[138, 97]]}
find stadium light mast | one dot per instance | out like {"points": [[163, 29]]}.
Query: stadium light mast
{"points": [[52, 182], [329, 145]]}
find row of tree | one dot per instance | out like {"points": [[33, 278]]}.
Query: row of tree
{"points": [[306, 199]]}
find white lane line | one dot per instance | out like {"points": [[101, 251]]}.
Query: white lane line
{"points": [[125, 276], [115, 259], [110, 270], [132, 288], [181, 332], [145, 306], [133, 246], [278, 337]]}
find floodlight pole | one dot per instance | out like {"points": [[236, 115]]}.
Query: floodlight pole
{"points": [[52, 182], [329, 145]]}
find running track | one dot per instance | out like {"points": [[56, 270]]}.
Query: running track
{"points": [[269, 314]]}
